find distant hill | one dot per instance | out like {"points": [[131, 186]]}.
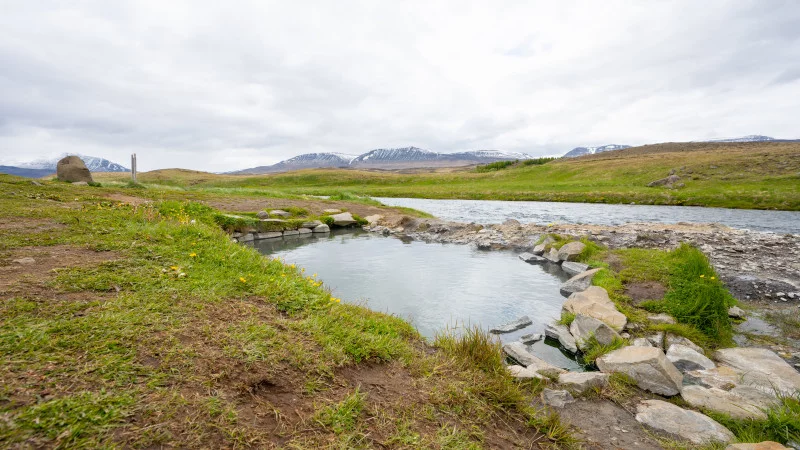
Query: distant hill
{"points": [[93, 163], [749, 138], [580, 151], [28, 173], [387, 158]]}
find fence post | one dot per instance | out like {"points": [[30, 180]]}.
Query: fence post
{"points": [[133, 167]]}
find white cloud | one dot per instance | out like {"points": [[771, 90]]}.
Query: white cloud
{"points": [[221, 86]]}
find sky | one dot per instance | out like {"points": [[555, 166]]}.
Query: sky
{"points": [[219, 86]]}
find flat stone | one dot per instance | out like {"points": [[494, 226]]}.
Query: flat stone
{"points": [[680, 340], [742, 402], [373, 219], [641, 342], [530, 258], [661, 318], [518, 352], [766, 445], [736, 312], [280, 213], [270, 235], [681, 423], [322, 229], [578, 283], [649, 366], [570, 251], [583, 327], [522, 372], [273, 220], [721, 377], [291, 233], [686, 358], [580, 382], [556, 398], [304, 231], [761, 368], [531, 338], [311, 224], [26, 261], [562, 335], [594, 302], [343, 219], [332, 211], [574, 268], [518, 324], [552, 256]]}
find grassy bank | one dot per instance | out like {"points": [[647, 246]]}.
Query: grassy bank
{"points": [[143, 325], [746, 175]]}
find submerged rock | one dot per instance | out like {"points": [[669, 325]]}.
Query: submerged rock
{"points": [[647, 365], [531, 338], [578, 283], [681, 423], [518, 324]]}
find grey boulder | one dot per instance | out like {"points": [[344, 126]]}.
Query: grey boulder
{"points": [[556, 398], [580, 382], [530, 258], [686, 358], [647, 365], [72, 169], [562, 335], [343, 219], [762, 368], [578, 283], [594, 302], [584, 327], [741, 402], [552, 256], [322, 229], [570, 251], [681, 423], [574, 268]]}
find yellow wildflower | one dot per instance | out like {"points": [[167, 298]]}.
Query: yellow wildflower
{"points": [[242, 279], [713, 278], [702, 276], [193, 254], [173, 267]]}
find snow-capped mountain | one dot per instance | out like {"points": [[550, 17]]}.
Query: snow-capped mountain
{"points": [[749, 138], [487, 156], [93, 163], [394, 155], [305, 161], [580, 151]]}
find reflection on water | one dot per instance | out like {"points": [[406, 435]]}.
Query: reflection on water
{"points": [[496, 211], [432, 285]]}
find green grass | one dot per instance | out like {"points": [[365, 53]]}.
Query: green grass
{"points": [[342, 416], [781, 425], [566, 318], [595, 349]]}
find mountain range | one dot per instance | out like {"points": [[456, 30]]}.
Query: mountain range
{"points": [[47, 166]]}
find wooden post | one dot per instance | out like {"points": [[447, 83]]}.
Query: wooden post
{"points": [[133, 167]]}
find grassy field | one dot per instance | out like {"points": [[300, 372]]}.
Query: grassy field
{"points": [[140, 324], [742, 175]]}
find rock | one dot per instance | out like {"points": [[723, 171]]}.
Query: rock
{"points": [[322, 229], [539, 249], [373, 219], [574, 268], [579, 282], [556, 399], [343, 219], [736, 312], [666, 182], [518, 352], [72, 169], [247, 237], [531, 258], [722, 377], [291, 233], [680, 340], [762, 368], [594, 302], [511, 223], [562, 335], [518, 324], [641, 342], [570, 251], [657, 340], [686, 359], [583, 327], [262, 215], [661, 318], [311, 224], [580, 382], [26, 261], [304, 231], [530, 338], [331, 211], [742, 402], [270, 235], [766, 445], [647, 365], [681, 423], [273, 220], [517, 371], [552, 256], [36, 183], [280, 213]]}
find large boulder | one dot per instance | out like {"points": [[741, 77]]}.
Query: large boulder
{"points": [[579, 282], [584, 327], [574, 268], [761, 368], [681, 423], [562, 335], [72, 169], [570, 251], [647, 365], [686, 358], [580, 382], [741, 402], [594, 302], [343, 219]]}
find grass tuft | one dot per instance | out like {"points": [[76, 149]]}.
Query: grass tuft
{"points": [[342, 417]]}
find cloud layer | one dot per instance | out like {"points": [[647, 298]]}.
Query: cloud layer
{"points": [[228, 85]]}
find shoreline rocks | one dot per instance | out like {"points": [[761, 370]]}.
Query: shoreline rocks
{"points": [[647, 365], [518, 324], [680, 423], [578, 283]]}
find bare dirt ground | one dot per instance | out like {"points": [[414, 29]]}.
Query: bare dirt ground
{"points": [[604, 425]]}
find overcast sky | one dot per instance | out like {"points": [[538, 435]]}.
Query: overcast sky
{"points": [[218, 86]]}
